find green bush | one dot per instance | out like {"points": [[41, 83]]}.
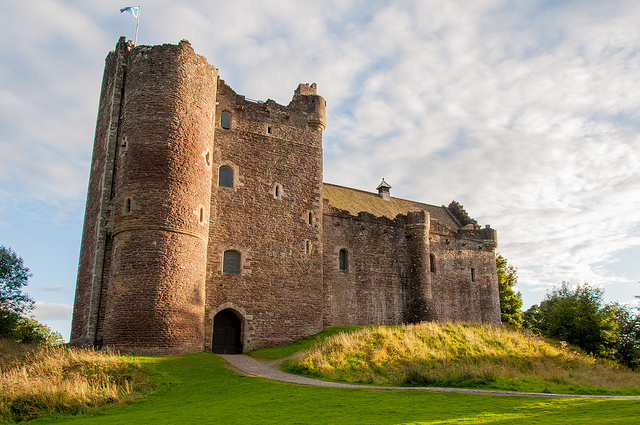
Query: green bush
{"points": [[579, 317]]}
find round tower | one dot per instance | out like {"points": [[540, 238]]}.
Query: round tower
{"points": [[160, 202]]}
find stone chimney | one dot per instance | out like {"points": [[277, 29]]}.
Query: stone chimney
{"points": [[383, 190]]}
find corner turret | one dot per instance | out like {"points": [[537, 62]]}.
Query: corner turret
{"points": [[316, 106]]}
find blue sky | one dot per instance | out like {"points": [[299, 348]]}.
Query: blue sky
{"points": [[525, 112]]}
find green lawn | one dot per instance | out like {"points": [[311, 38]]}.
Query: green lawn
{"points": [[201, 390]]}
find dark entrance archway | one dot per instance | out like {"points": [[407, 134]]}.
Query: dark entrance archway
{"points": [[227, 333]]}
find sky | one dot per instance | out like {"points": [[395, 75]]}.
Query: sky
{"points": [[525, 112]]}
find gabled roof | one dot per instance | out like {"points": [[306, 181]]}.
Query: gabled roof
{"points": [[355, 201]]}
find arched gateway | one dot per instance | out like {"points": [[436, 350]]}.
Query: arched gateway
{"points": [[227, 333]]}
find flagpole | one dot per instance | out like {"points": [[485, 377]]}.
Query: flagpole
{"points": [[135, 40]]}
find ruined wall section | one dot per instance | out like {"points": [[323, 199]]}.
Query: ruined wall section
{"points": [[374, 286], [93, 268], [271, 217], [161, 195]]}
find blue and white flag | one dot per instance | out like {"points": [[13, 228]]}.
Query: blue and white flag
{"points": [[131, 9]]}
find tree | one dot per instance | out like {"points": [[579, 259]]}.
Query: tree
{"points": [[627, 345], [510, 301], [14, 304], [13, 277], [30, 331], [578, 317], [531, 318]]}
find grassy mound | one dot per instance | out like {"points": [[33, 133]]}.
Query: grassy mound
{"points": [[464, 356], [44, 381]]}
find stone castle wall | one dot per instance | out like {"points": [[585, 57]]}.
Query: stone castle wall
{"points": [[390, 278], [276, 158], [159, 221], [150, 290], [374, 286], [465, 278]]}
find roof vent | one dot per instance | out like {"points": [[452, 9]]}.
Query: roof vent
{"points": [[383, 190]]}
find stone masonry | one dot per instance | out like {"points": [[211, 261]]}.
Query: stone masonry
{"points": [[208, 226]]}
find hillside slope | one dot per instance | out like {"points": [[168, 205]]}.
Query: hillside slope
{"points": [[462, 355]]}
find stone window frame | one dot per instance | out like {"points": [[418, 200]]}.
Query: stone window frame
{"points": [[220, 176], [474, 275], [307, 246], [277, 191], [224, 123], [245, 259], [129, 206], [309, 218], [432, 262], [201, 215], [234, 169], [126, 208], [226, 262], [343, 260]]}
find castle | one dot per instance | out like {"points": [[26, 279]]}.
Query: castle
{"points": [[208, 226]]}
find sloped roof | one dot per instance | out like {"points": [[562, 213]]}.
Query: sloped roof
{"points": [[355, 201]]}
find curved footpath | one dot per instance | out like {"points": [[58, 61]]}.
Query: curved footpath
{"points": [[269, 370]]}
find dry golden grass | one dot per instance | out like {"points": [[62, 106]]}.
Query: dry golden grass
{"points": [[39, 381], [480, 356]]}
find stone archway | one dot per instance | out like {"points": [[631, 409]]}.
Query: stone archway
{"points": [[227, 333]]}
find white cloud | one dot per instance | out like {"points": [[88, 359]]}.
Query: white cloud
{"points": [[45, 311], [54, 288], [525, 112]]}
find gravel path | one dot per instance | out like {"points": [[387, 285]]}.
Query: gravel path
{"points": [[269, 370]]}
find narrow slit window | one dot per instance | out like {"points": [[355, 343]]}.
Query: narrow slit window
{"points": [[432, 261], [225, 176], [277, 191], [342, 259], [201, 217], [311, 218], [127, 205], [225, 119], [231, 262], [473, 275]]}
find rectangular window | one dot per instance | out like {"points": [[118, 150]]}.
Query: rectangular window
{"points": [[342, 259], [473, 275], [231, 262], [225, 120], [225, 176]]}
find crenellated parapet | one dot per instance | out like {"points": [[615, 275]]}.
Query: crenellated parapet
{"points": [[461, 215]]}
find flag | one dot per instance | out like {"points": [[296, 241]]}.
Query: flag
{"points": [[131, 9]]}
